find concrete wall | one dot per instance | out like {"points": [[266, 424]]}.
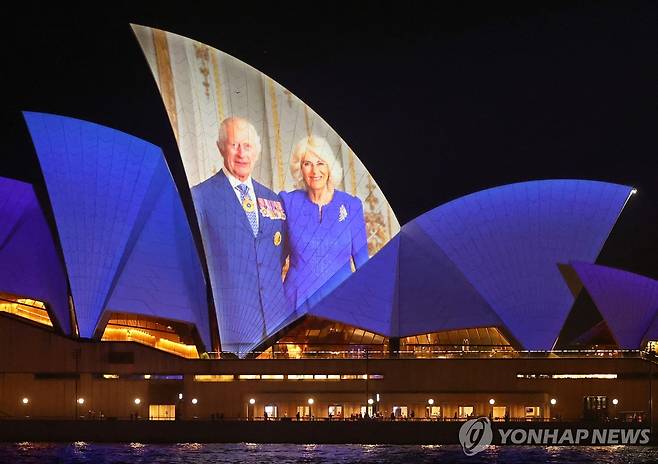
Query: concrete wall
{"points": [[30, 354]]}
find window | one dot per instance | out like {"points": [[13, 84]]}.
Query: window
{"points": [[353, 377], [178, 377], [33, 310], [162, 412], [532, 411], [499, 412], [465, 411], [433, 412], [595, 407], [335, 410], [304, 411], [567, 376], [272, 411], [400, 411], [214, 378]]}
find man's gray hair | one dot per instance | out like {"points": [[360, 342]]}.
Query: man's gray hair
{"points": [[237, 120]]}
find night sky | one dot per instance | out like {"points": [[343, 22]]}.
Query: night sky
{"points": [[436, 103]]}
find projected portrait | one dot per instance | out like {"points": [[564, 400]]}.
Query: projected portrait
{"points": [[286, 210], [326, 229], [242, 226]]}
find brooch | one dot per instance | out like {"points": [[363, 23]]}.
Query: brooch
{"points": [[342, 213]]}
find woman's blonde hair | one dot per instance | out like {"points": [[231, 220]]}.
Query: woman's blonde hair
{"points": [[321, 148]]}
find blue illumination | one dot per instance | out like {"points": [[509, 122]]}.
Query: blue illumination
{"points": [[628, 302], [509, 240], [126, 241], [31, 266], [434, 294], [487, 259], [369, 297], [245, 271]]}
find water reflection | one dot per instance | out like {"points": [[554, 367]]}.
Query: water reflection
{"points": [[252, 453], [190, 446]]}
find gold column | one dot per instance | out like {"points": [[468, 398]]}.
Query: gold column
{"points": [[202, 53], [307, 121], [218, 86], [277, 134], [389, 211], [352, 171], [166, 77]]}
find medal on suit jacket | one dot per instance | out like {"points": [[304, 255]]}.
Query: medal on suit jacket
{"points": [[248, 205], [271, 209]]}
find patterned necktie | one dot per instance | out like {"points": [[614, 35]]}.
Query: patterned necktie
{"points": [[249, 207]]}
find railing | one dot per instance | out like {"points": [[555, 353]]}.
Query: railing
{"points": [[650, 356], [638, 419], [473, 352]]}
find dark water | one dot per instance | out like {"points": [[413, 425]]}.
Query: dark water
{"points": [[246, 453]]}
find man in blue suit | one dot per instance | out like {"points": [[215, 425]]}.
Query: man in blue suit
{"points": [[242, 226]]}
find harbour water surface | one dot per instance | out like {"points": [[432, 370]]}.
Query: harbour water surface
{"points": [[246, 453]]}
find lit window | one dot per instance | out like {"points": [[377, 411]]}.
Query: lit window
{"points": [[300, 376], [162, 412], [214, 378], [335, 410], [33, 310], [532, 411], [584, 376], [353, 377], [567, 376], [271, 410], [465, 411]]}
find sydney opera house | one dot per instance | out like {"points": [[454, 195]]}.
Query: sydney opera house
{"points": [[123, 296]]}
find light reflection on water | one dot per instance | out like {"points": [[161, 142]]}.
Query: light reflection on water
{"points": [[252, 453]]}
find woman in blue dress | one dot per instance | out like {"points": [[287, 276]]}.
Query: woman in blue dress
{"points": [[326, 227]]}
